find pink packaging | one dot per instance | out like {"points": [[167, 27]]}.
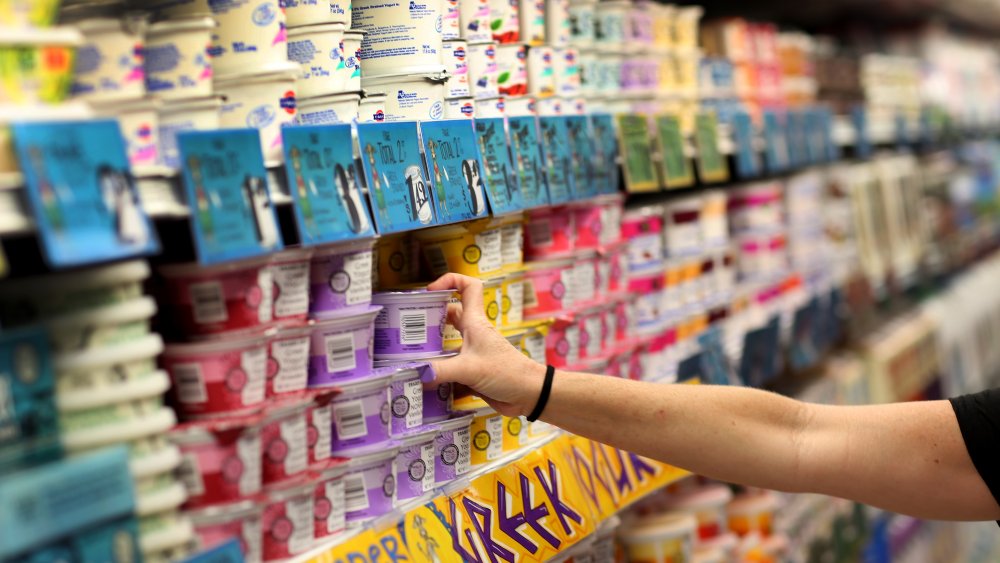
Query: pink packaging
{"points": [[220, 462], [287, 520], [341, 347], [624, 320], [550, 233], [288, 360], [612, 208], [415, 464], [648, 303], [290, 272], [284, 442], [361, 415], [562, 344], [219, 524], [329, 516], [643, 229], [340, 276], [319, 431], [591, 333], [452, 449], [217, 377], [410, 324], [370, 486], [212, 300], [585, 280], [610, 271], [587, 218], [548, 287]]}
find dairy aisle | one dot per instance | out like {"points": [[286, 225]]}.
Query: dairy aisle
{"points": [[218, 220]]}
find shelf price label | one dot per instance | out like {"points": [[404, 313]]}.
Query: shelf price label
{"points": [[324, 183], [81, 192], [504, 191], [558, 158], [675, 166], [526, 155], [775, 143], [395, 175], [606, 174], [712, 165], [747, 160], [582, 150], [455, 169], [232, 216], [637, 153]]}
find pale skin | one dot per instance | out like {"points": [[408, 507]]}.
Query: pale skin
{"points": [[907, 458]]}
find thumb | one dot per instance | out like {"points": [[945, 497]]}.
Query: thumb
{"points": [[449, 371]]}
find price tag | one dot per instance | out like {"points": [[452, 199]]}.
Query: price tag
{"points": [[712, 166], [775, 143], [455, 169], [558, 159], [675, 166], [328, 203], [395, 175], [637, 153], [862, 141], [582, 150], [747, 161], [606, 174], [232, 216], [526, 155], [82, 194], [504, 191]]}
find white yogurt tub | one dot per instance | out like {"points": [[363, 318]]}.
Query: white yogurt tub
{"points": [[491, 107], [474, 19], [184, 115], [328, 56], [176, 59], [399, 35], [372, 107], [262, 100], [104, 326], [314, 12], [456, 61], [541, 71], [612, 21], [505, 20], [512, 69], [161, 534], [557, 23], [108, 66], [483, 70], [337, 108], [581, 17], [532, 14], [566, 68], [521, 106], [451, 20], [410, 96], [460, 108], [550, 106], [92, 377], [131, 421], [139, 122]]}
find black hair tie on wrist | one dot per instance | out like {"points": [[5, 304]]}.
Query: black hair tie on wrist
{"points": [[543, 397]]}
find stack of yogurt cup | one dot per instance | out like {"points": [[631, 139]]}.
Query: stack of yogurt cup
{"points": [[108, 388], [473, 59]]}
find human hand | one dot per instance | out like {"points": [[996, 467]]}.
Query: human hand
{"points": [[488, 364]]}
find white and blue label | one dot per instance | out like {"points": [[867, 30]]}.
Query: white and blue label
{"points": [[502, 179], [396, 177], [232, 214], [558, 159], [529, 165], [456, 171], [325, 185], [82, 192], [606, 173]]}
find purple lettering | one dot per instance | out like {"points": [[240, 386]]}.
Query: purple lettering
{"points": [[484, 528], [456, 542], [510, 524], [356, 558], [533, 514], [621, 481], [639, 466], [551, 489], [603, 472], [373, 553], [391, 548], [585, 474]]}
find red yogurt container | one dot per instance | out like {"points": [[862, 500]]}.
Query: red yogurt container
{"points": [[288, 360], [319, 432], [218, 377], [290, 272], [562, 344], [550, 233], [287, 520], [329, 503], [589, 224], [220, 463], [219, 524], [548, 287], [284, 442]]}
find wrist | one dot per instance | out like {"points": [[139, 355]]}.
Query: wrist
{"points": [[532, 383]]}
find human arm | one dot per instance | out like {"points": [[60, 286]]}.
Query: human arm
{"points": [[908, 457]]}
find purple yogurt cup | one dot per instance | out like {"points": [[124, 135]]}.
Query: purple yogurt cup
{"points": [[452, 450], [411, 324], [415, 463], [340, 277], [438, 400], [360, 415], [406, 400], [340, 347], [370, 486]]}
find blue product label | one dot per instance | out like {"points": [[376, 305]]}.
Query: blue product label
{"points": [[747, 161], [82, 193], [582, 151], [232, 215], [395, 175], [558, 159], [862, 141], [775, 142], [456, 169], [27, 407], [798, 150], [325, 185], [264, 14], [504, 191], [529, 166], [606, 173]]}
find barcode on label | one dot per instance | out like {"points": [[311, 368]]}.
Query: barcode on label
{"points": [[540, 233], [340, 352], [208, 302], [350, 420], [190, 475], [355, 495], [436, 260], [413, 327], [189, 383]]}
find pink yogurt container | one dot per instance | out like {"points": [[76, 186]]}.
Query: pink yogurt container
{"points": [[288, 360], [649, 290], [213, 300], [341, 347], [548, 287], [340, 276], [643, 229], [329, 517], [586, 279], [411, 324], [284, 442], [590, 324], [415, 463], [290, 272], [370, 486], [562, 344], [611, 270], [221, 462], [361, 415], [452, 449], [216, 525], [550, 233], [623, 323], [588, 220], [319, 431], [287, 520], [222, 377]]}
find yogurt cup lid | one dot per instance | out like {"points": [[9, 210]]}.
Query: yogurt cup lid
{"points": [[709, 496], [133, 350], [337, 469], [180, 25], [298, 486], [222, 513], [288, 331], [328, 99], [279, 71], [134, 310], [416, 436], [664, 526], [318, 28], [372, 97], [359, 33], [401, 75], [156, 423], [213, 346], [346, 318], [281, 409], [54, 36], [151, 385], [113, 109], [408, 297], [292, 254], [179, 533], [165, 459], [405, 374], [196, 104], [456, 422], [158, 501], [210, 431], [134, 23], [484, 411], [344, 247], [547, 264], [196, 269], [133, 271], [386, 452], [353, 388]]}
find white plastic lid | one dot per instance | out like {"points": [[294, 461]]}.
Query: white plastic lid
{"points": [[547, 264], [363, 387], [344, 247], [220, 514], [417, 436], [165, 459], [135, 310], [176, 535], [405, 373], [215, 346], [709, 496], [303, 103], [411, 297], [345, 319], [458, 421], [659, 528], [157, 501], [156, 423], [146, 347], [145, 387], [374, 458], [180, 26], [318, 28], [187, 106], [278, 72], [406, 75]]}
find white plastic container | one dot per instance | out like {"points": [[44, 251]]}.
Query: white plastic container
{"points": [[450, 20], [185, 115], [550, 106], [328, 58], [474, 20], [262, 100], [399, 36], [108, 66], [532, 14], [581, 22], [460, 108], [140, 125], [541, 71], [314, 12], [483, 70], [505, 21], [512, 70], [566, 68], [557, 24], [456, 61], [521, 106], [371, 108], [491, 107], [611, 29], [666, 537], [176, 59], [336, 108], [589, 64], [410, 96]]}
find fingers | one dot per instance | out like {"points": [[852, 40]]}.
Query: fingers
{"points": [[454, 316], [449, 371], [471, 290]]}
